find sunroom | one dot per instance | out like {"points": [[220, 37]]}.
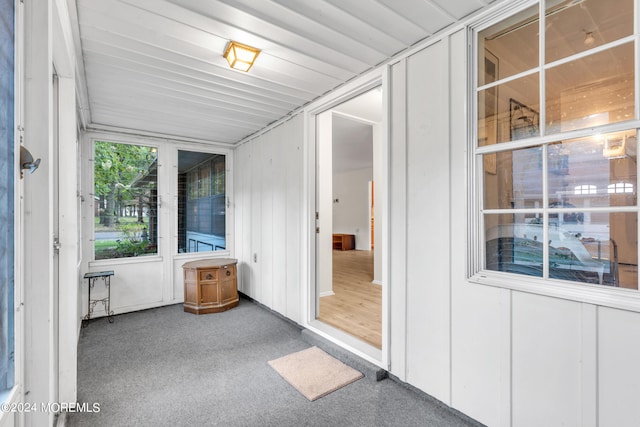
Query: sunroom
{"points": [[447, 190]]}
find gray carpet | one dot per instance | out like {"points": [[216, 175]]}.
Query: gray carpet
{"points": [[164, 367]]}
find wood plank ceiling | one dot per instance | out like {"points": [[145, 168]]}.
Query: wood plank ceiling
{"points": [[156, 65]]}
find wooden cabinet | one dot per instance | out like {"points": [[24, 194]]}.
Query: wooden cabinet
{"points": [[210, 286], [344, 242]]}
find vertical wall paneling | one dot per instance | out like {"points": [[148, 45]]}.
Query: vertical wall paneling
{"points": [[245, 256], [279, 209], [398, 218], [428, 221], [255, 277], [378, 159], [618, 372], [292, 153], [242, 192], [167, 222], [38, 210], [267, 218], [589, 366], [480, 315], [324, 203], [68, 235], [546, 351], [268, 206]]}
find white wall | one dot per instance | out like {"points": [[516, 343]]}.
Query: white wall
{"points": [[351, 212], [268, 194], [47, 289], [503, 357], [154, 280], [378, 160], [324, 248], [428, 223]]}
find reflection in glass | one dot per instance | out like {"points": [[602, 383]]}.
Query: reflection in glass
{"points": [[588, 172], [509, 110], [514, 41], [201, 202], [594, 247], [514, 246], [573, 27], [599, 248], [591, 91], [513, 179]]}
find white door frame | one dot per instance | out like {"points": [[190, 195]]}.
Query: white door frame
{"points": [[378, 77]]}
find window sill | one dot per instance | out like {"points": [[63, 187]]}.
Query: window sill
{"points": [[121, 261], [605, 296], [207, 255]]}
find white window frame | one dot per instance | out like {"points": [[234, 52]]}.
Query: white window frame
{"points": [[627, 299], [124, 260], [229, 223]]}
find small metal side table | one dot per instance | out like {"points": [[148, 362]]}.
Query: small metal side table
{"points": [[106, 302]]}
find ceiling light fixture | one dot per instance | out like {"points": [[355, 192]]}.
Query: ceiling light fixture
{"points": [[239, 56], [614, 148]]}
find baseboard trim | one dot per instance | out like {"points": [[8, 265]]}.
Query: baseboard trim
{"points": [[327, 294]]}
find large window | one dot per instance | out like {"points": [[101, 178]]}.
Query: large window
{"points": [[201, 202], [126, 193], [556, 143], [7, 185]]}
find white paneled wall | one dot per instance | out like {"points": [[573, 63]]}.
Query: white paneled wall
{"points": [[502, 357], [268, 193], [546, 353], [480, 315], [618, 371], [428, 219]]}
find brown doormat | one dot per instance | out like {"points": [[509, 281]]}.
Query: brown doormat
{"points": [[314, 373]]}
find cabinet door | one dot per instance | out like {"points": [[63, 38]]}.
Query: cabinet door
{"points": [[228, 290], [191, 293], [209, 293]]}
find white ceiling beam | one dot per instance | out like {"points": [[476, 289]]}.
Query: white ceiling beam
{"points": [[323, 23], [188, 75], [382, 17], [113, 75], [117, 51], [218, 20]]}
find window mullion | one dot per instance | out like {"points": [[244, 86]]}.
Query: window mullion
{"points": [[541, 55], [545, 214], [589, 145], [543, 131]]}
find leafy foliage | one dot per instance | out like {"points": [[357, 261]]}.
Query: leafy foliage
{"points": [[134, 241], [118, 166], [125, 176]]}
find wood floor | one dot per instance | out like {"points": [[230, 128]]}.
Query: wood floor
{"points": [[356, 307]]}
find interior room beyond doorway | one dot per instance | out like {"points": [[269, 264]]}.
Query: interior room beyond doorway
{"points": [[349, 250]]}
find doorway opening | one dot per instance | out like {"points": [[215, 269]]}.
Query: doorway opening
{"points": [[349, 285]]}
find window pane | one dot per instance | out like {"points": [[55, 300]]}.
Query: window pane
{"points": [[126, 192], [592, 91], [509, 111], [509, 47], [514, 244], [7, 185], [599, 248], [595, 171], [573, 27], [201, 202], [513, 179]]}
